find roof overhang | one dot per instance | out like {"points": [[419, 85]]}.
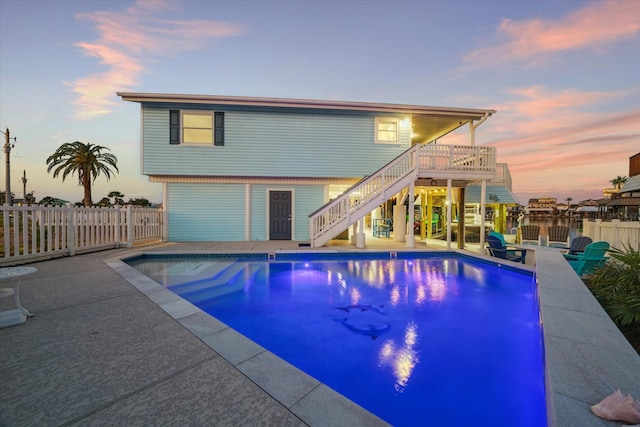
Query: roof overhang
{"points": [[625, 201], [428, 122], [631, 184], [498, 194]]}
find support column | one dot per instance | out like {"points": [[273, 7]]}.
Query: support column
{"points": [[483, 214], [411, 237], [360, 238], [449, 203], [399, 222], [461, 219], [429, 215]]}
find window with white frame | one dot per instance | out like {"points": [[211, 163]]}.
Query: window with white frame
{"points": [[387, 130], [196, 127]]}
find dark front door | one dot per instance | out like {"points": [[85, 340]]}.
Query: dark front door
{"points": [[280, 215]]}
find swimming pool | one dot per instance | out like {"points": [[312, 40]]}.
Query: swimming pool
{"points": [[444, 340]]}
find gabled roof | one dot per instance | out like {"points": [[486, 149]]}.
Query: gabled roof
{"points": [[429, 122]]}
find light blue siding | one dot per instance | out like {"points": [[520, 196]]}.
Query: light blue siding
{"points": [[271, 143], [206, 212]]}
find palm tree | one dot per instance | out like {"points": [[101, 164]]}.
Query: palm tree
{"points": [[87, 160], [618, 181], [569, 199]]}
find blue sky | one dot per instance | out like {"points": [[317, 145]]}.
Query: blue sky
{"points": [[564, 76]]}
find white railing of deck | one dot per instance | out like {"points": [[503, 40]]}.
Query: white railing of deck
{"points": [[421, 160], [619, 234], [30, 233], [503, 176]]}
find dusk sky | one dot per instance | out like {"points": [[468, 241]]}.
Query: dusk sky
{"points": [[564, 76]]}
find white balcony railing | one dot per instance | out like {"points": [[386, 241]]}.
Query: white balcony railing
{"points": [[503, 176]]}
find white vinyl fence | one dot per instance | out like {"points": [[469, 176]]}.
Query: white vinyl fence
{"points": [[619, 234], [33, 233]]}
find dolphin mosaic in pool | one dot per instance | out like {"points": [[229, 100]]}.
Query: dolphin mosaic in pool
{"points": [[374, 331], [363, 307]]}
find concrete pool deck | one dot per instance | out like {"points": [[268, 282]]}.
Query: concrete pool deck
{"points": [[108, 346]]}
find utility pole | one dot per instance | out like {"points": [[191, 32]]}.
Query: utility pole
{"points": [[7, 150], [24, 187]]}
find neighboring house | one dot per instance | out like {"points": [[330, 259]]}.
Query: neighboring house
{"points": [[252, 169], [625, 204]]}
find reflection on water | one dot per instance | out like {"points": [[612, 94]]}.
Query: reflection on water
{"points": [[402, 358]]}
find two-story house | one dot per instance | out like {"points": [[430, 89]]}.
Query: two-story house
{"points": [[252, 169]]}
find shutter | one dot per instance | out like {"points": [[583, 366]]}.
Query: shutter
{"points": [[218, 129], [174, 127]]}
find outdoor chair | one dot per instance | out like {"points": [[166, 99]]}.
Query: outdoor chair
{"points": [[593, 257], [530, 233], [558, 236], [578, 244], [499, 250], [381, 227]]}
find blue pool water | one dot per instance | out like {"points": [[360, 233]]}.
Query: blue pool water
{"points": [[444, 340]]}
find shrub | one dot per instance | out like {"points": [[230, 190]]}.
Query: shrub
{"points": [[617, 285]]}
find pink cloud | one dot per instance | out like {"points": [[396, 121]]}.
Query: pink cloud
{"points": [[131, 38], [592, 27], [554, 143]]}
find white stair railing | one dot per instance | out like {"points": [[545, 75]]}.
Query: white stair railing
{"points": [[421, 160]]}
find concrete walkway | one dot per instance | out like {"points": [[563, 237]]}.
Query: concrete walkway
{"points": [[107, 348]]}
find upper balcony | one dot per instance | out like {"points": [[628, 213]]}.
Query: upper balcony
{"points": [[459, 162]]}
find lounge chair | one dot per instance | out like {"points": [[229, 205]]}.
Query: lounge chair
{"points": [[558, 236], [578, 244], [530, 234], [499, 250], [592, 258]]}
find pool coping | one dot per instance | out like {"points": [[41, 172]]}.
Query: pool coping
{"points": [[586, 356]]}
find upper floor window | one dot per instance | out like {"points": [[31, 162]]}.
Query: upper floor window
{"points": [[387, 130], [196, 127]]}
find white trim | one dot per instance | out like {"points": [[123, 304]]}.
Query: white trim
{"points": [[165, 212], [247, 212], [380, 120], [297, 180]]}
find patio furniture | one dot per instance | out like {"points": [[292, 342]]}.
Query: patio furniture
{"points": [[558, 236], [578, 244], [19, 314], [381, 227], [530, 234], [592, 258], [499, 250]]}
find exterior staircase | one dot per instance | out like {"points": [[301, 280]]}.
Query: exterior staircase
{"points": [[430, 161]]}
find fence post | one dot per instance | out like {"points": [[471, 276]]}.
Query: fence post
{"points": [[616, 233], [116, 232], [71, 232], [130, 226]]}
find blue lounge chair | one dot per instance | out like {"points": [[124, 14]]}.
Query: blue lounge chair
{"points": [[592, 258], [499, 250]]}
